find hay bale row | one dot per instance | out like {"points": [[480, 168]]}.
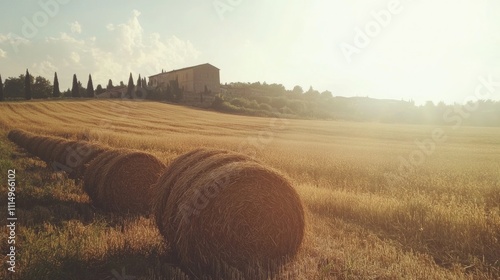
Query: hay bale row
{"points": [[70, 156], [75, 156], [115, 180], [217, 207], [121, 180], [19, 137]]}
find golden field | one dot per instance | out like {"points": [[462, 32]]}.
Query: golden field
{"points": [[439, 219]]}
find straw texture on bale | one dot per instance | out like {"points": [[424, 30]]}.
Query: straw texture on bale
{"points": [[93, 172], [41, 149], [15, 135], [81, 154], [33, 143], [121, 181], [61, 152], [217, 207], [24, 138], [47, 156], [70, 156]]}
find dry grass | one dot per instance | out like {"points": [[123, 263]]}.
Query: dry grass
{"points": [[441, 221]]}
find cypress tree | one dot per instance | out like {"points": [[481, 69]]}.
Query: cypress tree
{"points": [[130, 87], [1, 89], [110, 84], [27, 86], [139, 81], [90, 88], [56, 93], [74, 89]]}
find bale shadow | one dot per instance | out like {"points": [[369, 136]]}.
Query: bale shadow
{"points": [[122, 264]]}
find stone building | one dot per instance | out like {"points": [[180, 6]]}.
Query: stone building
{"points": [[193, 80]]}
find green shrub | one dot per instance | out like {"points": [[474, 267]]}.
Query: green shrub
{"points": [[279, 102], [240, 102], [253, 105], [265, 107]]}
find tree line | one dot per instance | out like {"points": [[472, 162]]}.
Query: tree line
{"points": [[263, 99], [28, 87]]}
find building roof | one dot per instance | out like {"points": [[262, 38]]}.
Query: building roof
{"points": [[187, 68]]}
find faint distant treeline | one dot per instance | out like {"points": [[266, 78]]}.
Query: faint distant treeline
{"points": [[269, 99], [261, 99]]}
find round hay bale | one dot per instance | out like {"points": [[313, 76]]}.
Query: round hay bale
{"points": [[20, 137], [218, 208], [42, 147], [24, 138], [50, 148], [60, 152], [14, 135], [177, 168], [57, 150], [84, 152], [94, 171], [125, 182], [32, 144], [174, 170]]}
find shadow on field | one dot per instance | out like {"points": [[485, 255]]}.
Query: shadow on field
{"points": [[117, 265]]}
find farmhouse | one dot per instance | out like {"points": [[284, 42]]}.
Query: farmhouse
{"points": [[114, 92], [194, 80]]}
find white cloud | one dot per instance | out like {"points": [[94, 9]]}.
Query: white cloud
{"points": [[75, 57], [65, 38], [14, 41], [124, 48], [76, 27], [3, 53]]}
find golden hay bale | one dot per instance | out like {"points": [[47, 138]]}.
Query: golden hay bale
{"points": [[218, 208], [126, 182], [14, 135], [60, 152], [47, 156], [94, 170], [42, 147], [19, 136], [32, 144], [84, 152], [73, 156], [123, 183], [29, 137], [162, 188], [24, 138]]}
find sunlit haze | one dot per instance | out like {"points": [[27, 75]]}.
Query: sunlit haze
{"points": [[419, 50]]}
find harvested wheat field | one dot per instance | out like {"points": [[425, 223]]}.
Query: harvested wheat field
{"points": [[379, 201]]}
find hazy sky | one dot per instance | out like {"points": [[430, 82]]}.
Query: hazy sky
{"points": [[420, 50]]}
